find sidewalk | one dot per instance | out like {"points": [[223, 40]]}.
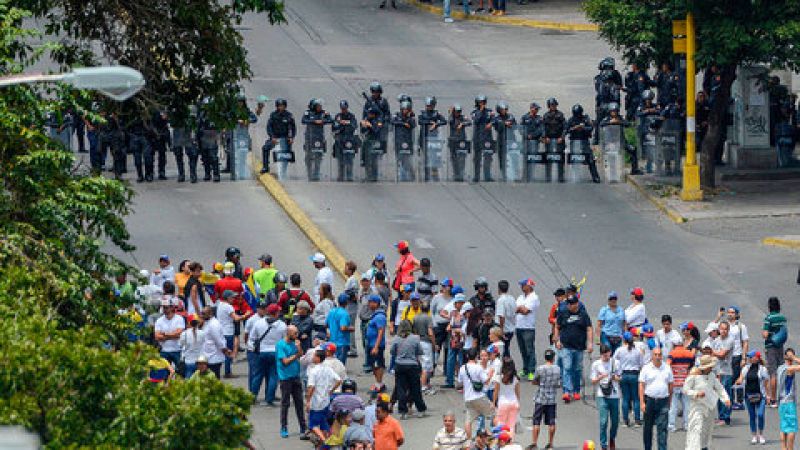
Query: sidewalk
{"points": [[564, 15]]}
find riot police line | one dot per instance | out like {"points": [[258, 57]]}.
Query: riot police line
{"points": [[430, 146]]}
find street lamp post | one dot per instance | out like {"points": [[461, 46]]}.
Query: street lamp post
{"points": [[116, 82]]}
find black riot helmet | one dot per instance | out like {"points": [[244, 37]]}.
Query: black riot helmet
{"points": [[481, 282], [232, 251], [501, 106], [349, 385], [480, 99], [648, 95], [312, 103], [535, 105], [457, 108], [405, 105], [430, 101], [552, 102], [404, 98], [577, 110], [315, 104], [280, 102], [613, 106], [375, 87], [607, 63], [343, 104]]}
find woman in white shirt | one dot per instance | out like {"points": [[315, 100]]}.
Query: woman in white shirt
{"points": [[754, 377], [606, 375], [191, 342], [506, 395], [635, 313], [630, 361]]}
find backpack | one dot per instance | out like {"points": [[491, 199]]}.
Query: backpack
{"points": [[291, 303], [780, 337]]}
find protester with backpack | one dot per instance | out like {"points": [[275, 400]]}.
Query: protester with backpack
{"points": [[755, 377], [775, 334]]}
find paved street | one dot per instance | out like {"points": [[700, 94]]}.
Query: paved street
{"points": [[333, 49]]}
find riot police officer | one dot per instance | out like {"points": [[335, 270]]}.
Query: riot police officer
{"points": [[141, 148], [608, 65], [668, 84], [649, 121], [482, 140], [404, 123], [614, 118], [607, 92], [636, 82], [372, 132], [376, 100], [315, 119], [429, 122], [579, 128], [111, 138], [405, 98], [459, 146], [533, 125], [554, 122], [502, 123], [243, 118], [208, 139], [183, 142], [280, 125], [159, 141], [346, 142]]}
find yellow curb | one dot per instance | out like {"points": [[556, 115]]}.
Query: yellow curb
{"points": [[506, 20], [778, 241], [658, 203], [335, 257]]}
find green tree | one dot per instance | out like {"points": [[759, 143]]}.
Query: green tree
{"points": [[68, 373], [729, 33]]}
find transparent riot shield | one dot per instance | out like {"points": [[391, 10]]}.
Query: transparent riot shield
{"points": [[611, 141], [460, 161], [535, 161], [434, 167], [374, 159], [483, 166], [577, 160], [668, 150], [283, 157], [648, 141], [555, 161], [346, 158], [515, 146], [405, 169], [315, 150], [240, 163]]}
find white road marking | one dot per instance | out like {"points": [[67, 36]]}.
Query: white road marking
{"points": [[422, 243]]}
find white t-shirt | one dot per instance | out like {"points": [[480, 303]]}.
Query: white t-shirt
{"points": [[506, 393], [507, 307], [602, 367], [725, 366], [527, 321], [635, 315], [324, 275], [165, 325], [739, 332], [224, 311], [666, 339], [248, 329], [338, 368], [215, 341], [191, 343], [469, 340], [644, 349], [656, 380], [478, 374], [165, 274], [629, 359], [322, 378]]}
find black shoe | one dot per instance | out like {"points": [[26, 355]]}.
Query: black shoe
{"points": [[181, 178], [148, 178], [383, 5], [162, 177], [207, 178], [225, 171], [193, 179], [596, 180], [264, 170], [216, 178], [139, 179], [394, 5], [636, 172]]}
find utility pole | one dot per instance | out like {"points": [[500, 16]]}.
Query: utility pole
{"points": [[690, 190]]}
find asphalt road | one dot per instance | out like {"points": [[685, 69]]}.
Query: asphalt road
{"points": [[332, 50]]}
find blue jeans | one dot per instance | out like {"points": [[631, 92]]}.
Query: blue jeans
{"points": [[756, 413], [252, 363], [454, 359], [605, 340], [526, 339], [629, 385], [446, 8], [228, 359], [266, 367], [190, 368], [678, 399], [341, 353], [724, 411], [608, 408], [173, 357], [96, 159], [573, 370]]}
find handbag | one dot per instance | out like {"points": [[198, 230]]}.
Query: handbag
{"points": [[257, 345], [396, 285], [754, 397], [608, 389], [477, 386]]}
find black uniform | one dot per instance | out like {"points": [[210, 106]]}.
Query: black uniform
{"points": [[431, 163], [668, 84], [649, 121], [482, 143], [141, 148], [374, 148], [159, 141], [502, 124], [629, 149], [534, 132], [554, 122], [385, 116], [459, 146], [635, 83], [346, 144], [208, 136], [607, 91], [111, 138], [280, 125], [314, 145], [404, 124], [579, 128]]}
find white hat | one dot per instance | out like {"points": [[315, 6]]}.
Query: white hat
{"points": [[318, 258], [467, 307], [713, 326]]}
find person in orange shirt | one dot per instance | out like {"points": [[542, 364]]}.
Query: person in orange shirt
{"points": [[405, 267], [558, 296], [681, 360], [387, 431]]}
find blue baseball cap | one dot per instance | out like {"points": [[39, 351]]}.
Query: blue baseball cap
{"points": [[527, 282], [613, 294], [628, 336], [647, 329], [447, 282], [344, 298], [415, 296], [735, 308], [165, 257], [379, 257], [407, 288], [457, 289], [375, 298]]}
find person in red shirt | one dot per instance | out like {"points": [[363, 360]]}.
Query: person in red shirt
{"points": [[559, 295], [289, 298], [681, 360], [405, 267], [228, 283]]}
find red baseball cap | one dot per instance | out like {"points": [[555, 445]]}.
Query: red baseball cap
{"points": [[402, 245], [273, 308], [504, 436], [637, 291], [331, 347]]}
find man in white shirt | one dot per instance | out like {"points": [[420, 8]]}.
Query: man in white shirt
{"points": [[227, 317], [472, 376], [252, 356], [526, 306], [655, 391], [506, 315], [168, 330], [667, 335], [724, 353], [741, 345], [606, 374], [324, 274], [165, 272], [265, 334], [214, 347], [322, 382]]}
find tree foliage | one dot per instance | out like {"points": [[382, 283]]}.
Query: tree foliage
{"points": [[67, 372], [729, 33]]}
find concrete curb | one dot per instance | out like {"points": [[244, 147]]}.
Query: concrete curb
{"points": [[506, 20], [335, 257], [658, 203], [790, 242]]}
